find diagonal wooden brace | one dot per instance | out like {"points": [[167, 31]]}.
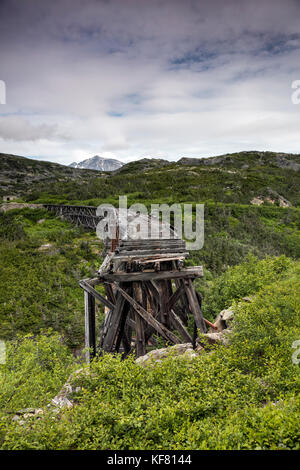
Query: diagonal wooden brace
{"points": [[161, 329]]}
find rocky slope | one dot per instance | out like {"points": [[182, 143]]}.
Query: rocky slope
{"points": [[19, 174], [244, 160]]}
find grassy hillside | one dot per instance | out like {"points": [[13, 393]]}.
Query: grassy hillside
{"points": [[243, 396], [41, 261], [18, 175], [237, 178]]}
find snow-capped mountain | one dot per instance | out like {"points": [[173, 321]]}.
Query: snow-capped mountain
{"points": [[98, 163]]}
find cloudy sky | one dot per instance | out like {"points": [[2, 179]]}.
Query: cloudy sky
{"points": [[163, 78]]}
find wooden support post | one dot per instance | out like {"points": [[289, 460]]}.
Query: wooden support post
{"points": [[109, 292], [181, 309], [90, 326], [113, 325], [87, 288], [161, 329], [191, 272], [194, 305], [179, 326], [139, 324], [122, 334], [174, 298], [164, 303]]}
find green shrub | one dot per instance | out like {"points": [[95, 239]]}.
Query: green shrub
{"points": [[242, 280], [34, 371], [243, 396]]}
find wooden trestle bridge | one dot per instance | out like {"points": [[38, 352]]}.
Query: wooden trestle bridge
{"points": [[148, 291], [78, 215]]}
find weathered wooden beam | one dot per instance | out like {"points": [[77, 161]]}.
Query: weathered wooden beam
{"points": [[121, 333], [139, 322], [109, 292], [179, 326], [86, 287], [90, 326], [152, 242], [162, 256], [173, 299], [152, 251], [114, 324], [194, 305], [131, 322], [161, 329], [152, 287], [163, 287], [189, 272]]}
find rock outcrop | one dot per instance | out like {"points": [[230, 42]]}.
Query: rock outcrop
{"points": [[179, 350]]}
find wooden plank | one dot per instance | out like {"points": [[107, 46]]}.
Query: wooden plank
{"points": [[109, 292], [152, 246], [179, 326], [194, 305], [156, 257], [153, 297], [153, 291], [139, 326], [114, 324], [164, 303], [106, 324], [90, 326], [182, 313], [190, 272], [121, 333], [92, 281], [153, 251], [127, 336], [152, 242], [131, 322], [161, 329], [183, 308], [173, 299], [86, 287]]}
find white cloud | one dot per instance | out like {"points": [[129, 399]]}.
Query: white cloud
{"points": [[154, 78]]}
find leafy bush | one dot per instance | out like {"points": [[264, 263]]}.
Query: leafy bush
{"points": [[242, 280], [39, 288], [11, 228], [243, 396], [34, 370]]}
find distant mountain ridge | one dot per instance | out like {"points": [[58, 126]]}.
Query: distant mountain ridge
{"points": [[98, 163], [251, 177], [243, 160], [18, 174]]}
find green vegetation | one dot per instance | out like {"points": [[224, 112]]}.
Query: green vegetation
{"points": [[234, 230], [236, 178], [19, 175], [243, 396], [41, 264], [35, 368]]}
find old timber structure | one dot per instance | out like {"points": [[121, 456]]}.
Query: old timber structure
{"points": [[148, 291]]}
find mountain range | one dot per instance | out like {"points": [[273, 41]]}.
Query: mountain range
{"points": [[242, 178], [98, 163]]}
